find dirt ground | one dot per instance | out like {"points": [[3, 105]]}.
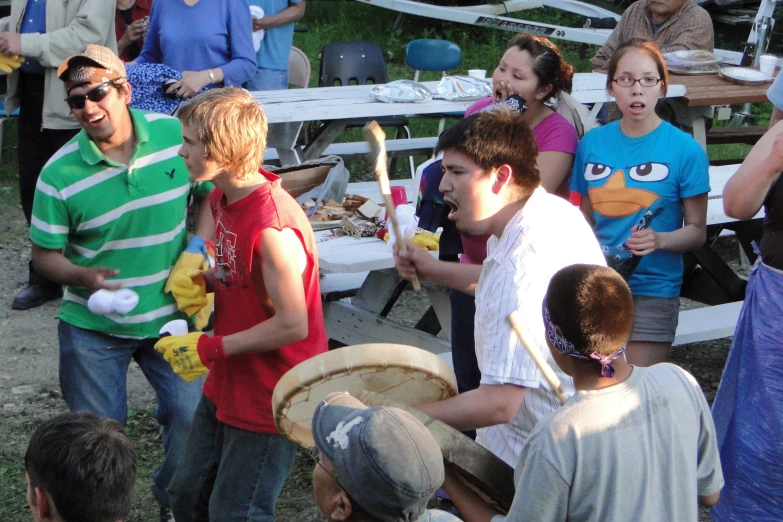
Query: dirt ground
{"points": [[29, 389]]}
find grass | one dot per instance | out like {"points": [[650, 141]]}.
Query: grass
{"points": [[9, 184], [327, 21]]}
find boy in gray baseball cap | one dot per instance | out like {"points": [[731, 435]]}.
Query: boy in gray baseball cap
{"points": [[374, 463]]}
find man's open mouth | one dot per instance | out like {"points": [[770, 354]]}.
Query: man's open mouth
{"points": [[452, 206]]}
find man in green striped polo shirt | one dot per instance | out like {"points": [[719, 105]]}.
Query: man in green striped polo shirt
{"points": [[110, 213]]}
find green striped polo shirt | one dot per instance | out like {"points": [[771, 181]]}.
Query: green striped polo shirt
{"points": [[101, 213]]}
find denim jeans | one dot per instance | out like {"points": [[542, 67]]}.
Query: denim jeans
{"points": [[229, 474], [93, 372], [267, 80]]}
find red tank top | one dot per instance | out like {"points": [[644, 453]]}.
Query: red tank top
{"points": [[241, 386]]}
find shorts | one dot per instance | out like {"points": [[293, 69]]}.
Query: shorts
{"points": [[655, 318]]}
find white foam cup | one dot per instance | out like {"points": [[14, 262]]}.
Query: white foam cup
{"points": [[477, 73], [767, 64]]}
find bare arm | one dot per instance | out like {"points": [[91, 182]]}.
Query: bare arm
{"points": [[554, 168], [281, 272], [487, 405], [709, 500], [689, 237], [459, 276], [53, 265], [471, 507], [745, 192], [586, 206], [290, 14], [204, 221], [777, 115], [132, 33]]}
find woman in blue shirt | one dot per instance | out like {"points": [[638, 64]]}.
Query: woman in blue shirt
{"points": [[640, 178], [208, 41]]}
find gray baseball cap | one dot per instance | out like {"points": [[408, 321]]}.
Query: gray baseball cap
{"points": [[384, 458]]}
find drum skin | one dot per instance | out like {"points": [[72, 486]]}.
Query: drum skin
{"points": [[404, 374]]}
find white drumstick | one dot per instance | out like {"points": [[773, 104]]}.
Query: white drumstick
{"points": [[549, 373], [375, 138]]}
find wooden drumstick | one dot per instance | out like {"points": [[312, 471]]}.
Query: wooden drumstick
{"points": [[376, 139], [549, 373]]}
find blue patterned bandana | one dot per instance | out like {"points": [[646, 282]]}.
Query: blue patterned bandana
{"points": [[515, 102], [566, 347]]}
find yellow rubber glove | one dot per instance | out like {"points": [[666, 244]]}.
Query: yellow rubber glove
{"points": [[191, 355], [189, 290], [9, 63], [194, 256]]}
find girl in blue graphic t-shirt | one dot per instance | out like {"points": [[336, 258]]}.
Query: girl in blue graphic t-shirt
{"points": [[640, 178]]}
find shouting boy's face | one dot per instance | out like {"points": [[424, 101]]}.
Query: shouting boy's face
{"points": [[197, 160], [471, 193]]}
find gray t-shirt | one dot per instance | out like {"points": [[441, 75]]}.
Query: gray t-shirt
{"points": [[641, 450]]}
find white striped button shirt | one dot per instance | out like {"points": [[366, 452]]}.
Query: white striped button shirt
{"points": [[546, 235]]}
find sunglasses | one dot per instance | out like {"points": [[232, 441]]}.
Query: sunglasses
{"points": [[95, 94]]}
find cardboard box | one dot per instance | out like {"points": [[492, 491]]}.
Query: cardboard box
{"points": [[302, 178], [322, 179]]}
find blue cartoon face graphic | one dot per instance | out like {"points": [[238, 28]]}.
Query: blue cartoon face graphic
{"points": [[623, 195]]}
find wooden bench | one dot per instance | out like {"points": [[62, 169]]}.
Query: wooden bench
{"points": [[726, 135], [695, 326], [707, 324], [339, 286], [402, 147]]}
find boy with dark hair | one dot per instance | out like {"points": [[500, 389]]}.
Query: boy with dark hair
{"points": [[268, 316], [492, 186], [79, 468], [632, 443]]}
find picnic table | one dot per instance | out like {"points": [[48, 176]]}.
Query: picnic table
{"points": [[703, 93], [338, 106], [368, 265]]}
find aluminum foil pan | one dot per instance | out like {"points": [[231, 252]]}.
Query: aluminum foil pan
{"points": [[463, 88], [691, 58], [401, 91]]}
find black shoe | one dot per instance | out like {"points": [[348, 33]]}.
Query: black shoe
{"points": [[34, 295]]}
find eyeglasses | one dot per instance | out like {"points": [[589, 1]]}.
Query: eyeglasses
{"points": [[623, 81], [315, 453], [95, 94]]}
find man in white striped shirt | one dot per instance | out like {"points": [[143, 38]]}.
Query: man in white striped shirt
{"points": [[491, 185], [110, 212]]}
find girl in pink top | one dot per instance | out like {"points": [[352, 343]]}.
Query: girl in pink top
{"points": [[533, 68]]}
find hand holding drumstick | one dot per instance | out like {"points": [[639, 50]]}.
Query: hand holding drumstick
{"points": [[376, 139]]}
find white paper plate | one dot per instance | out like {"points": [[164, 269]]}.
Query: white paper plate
{"points": [[744, 75]]}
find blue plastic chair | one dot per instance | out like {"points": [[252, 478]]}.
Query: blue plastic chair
{"points": [[432, 55]]}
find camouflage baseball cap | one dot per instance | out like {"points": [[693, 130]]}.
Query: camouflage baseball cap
{"points": [[93, 62]]}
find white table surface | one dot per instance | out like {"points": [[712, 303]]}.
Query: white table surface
{"points": [[355, 101], [349, 255]]}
